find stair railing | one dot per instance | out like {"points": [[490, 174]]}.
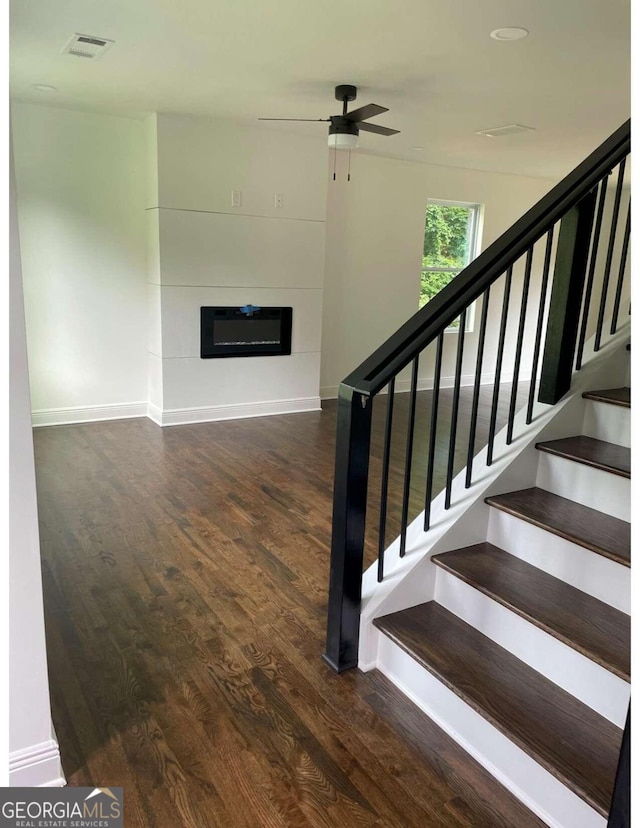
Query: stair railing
{"points": [[575, 227]]}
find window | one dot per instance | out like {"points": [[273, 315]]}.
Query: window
{"points": [[450, 243]]}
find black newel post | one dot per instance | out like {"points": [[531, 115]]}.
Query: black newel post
{"points": [[620, 814], [347, 540], [566, 299]]}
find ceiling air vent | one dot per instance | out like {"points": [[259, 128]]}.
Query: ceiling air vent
{"points": [[87, 46], [510, 129]]}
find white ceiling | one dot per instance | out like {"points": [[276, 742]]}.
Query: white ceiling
{"points": [[431, 62]]}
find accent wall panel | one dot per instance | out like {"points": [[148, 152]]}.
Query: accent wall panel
{"points": [[201, 160], [223, 250], [154, 304], [207, 383]]}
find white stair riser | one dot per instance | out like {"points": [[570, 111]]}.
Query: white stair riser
{"points": [[611, 423], [541, 792], [586, 570], [592, 684], [597, 489]]}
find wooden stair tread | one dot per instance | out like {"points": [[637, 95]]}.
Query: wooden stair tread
{"points": [[575, 744], [589, 626], [614, 396], [606, 456], [601, 533]]}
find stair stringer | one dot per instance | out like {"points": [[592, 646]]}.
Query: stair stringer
{"points": [[411, 580]]}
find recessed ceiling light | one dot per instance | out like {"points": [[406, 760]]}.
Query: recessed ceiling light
{"points": [[416, 149], [44, 87], [509, 33]]}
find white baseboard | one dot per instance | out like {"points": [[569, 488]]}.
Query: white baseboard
{"points": [[37, 766], [154, 413], [91, 414], [330, 392], [211, 414], [176, 416]]}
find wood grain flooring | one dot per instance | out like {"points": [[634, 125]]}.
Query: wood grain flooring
{"points": [[185, 574], [589, 626], [570, 740]]}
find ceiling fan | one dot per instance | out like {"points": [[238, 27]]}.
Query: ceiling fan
{"points": [[344, 129]]}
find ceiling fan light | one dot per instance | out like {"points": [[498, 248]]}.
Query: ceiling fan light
{"points": [[343, 141]]}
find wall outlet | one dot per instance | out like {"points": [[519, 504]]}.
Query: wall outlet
{"points": [[278, 201], [236, 198]]}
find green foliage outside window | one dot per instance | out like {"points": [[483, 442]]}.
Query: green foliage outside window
{"points": [[446, 236], [446, 245], [432, 282]]}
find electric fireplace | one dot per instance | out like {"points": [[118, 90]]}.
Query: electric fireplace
{"points": [[246, 331]]}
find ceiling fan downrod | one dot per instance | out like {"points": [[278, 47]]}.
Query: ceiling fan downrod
{"points": [[346, 93]]}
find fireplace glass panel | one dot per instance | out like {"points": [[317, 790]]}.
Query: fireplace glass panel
{"points": [[232, 331]]}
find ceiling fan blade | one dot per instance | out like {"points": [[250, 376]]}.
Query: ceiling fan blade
{"points": [[379, 130], [368, 111], [315, 120]]}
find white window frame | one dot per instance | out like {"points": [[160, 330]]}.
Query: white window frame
{"points": [[474, 236]]}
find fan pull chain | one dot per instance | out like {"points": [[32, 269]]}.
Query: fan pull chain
{"points": [[335, 153], [349, 169]]}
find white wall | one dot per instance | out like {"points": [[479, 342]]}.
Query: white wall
{"points": [[81, 199], [375, 230], [34, 757], [203, 251], [127, 229]]}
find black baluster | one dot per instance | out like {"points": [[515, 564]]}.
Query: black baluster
{"points": [[536, 348], [496, 381], [623, 262], [592, 269], [408, 457], [476, 387], [454, 408], [385, 478], [607, 267], [519, 341], [432, 432]]}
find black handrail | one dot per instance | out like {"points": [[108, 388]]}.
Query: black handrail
{"points": [[570, 209], [571, 206], [422, 328]]}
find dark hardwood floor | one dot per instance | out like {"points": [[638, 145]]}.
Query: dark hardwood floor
{"points": [[185, 573]]}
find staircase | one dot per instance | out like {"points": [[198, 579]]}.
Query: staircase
{"points": [[502, 607], [522, 654]]}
